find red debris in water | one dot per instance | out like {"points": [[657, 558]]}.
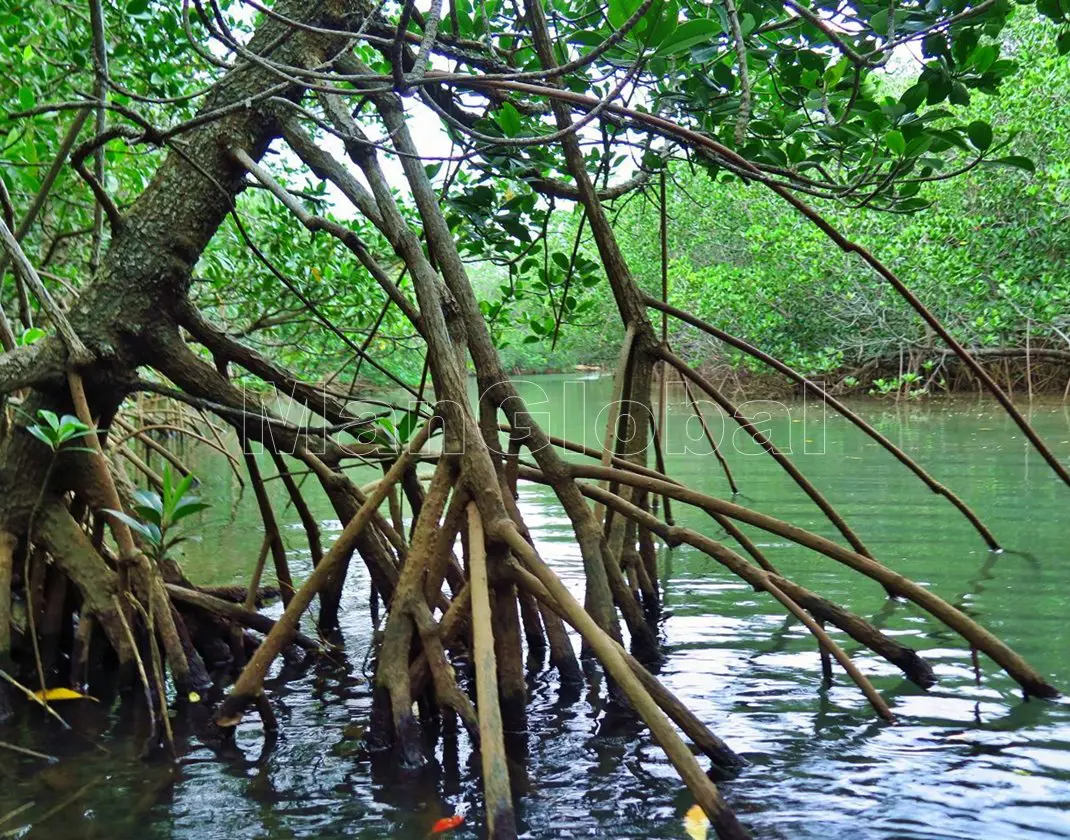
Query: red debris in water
{"points": [[447, 824]]}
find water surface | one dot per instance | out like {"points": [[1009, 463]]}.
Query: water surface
{"points": [[964, 761]]}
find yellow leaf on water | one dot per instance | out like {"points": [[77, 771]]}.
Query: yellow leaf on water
{"points": [[696, 823], [50, 695], [194, 697]]}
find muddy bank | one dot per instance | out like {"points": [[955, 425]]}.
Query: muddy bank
{"points": [[1040, 372]]}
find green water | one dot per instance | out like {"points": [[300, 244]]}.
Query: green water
{"points": [[964, 761]]}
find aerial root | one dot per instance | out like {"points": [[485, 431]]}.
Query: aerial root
{"points": [[1020, 670], [914, 667], [726, 762], [236, 613], [612, 658], [768, 446], [250, 682], [271, 525], [392, 674], [499, 800], [756, 577], [442, 673], [811, 387]]}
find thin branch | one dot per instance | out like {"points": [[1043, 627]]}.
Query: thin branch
{"points": [[100, 72], [78, 352]]}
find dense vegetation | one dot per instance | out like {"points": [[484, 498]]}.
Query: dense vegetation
{"points": [[202, 204], [989, 253]]}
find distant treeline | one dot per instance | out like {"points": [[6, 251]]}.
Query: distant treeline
{"points": [[990, 257]]}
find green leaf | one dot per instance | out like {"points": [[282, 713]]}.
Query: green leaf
{"points": [[910, 205], [934, 45], [592, 38], [914, 96], [148, 514], [959, 94], [794, 122], [835, 72], [509, 119], [665, 17], [1050, 9], [620, 10], [919, 145], [407, 426], [50, 418], [149, 532], [980, 134], [188, 507], [688, 35], [71, 427], [387, 425], [939, 88], [1015, 161], [41, 435], [26, 98], [180, 491], [1062, 43], [168, 484], [137, 7], [149, 506], [32, 335], [984, 56], [895, 141]]}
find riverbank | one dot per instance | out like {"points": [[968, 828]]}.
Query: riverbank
{"points": [[1019, 371]]}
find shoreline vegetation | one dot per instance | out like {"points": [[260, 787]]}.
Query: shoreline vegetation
{"points": [[1021, 372], [988, 254]]}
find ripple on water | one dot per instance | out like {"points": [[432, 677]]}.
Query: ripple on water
{"points": [[964, 762]]}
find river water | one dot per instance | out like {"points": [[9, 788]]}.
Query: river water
{"points": [[963, 761]]}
